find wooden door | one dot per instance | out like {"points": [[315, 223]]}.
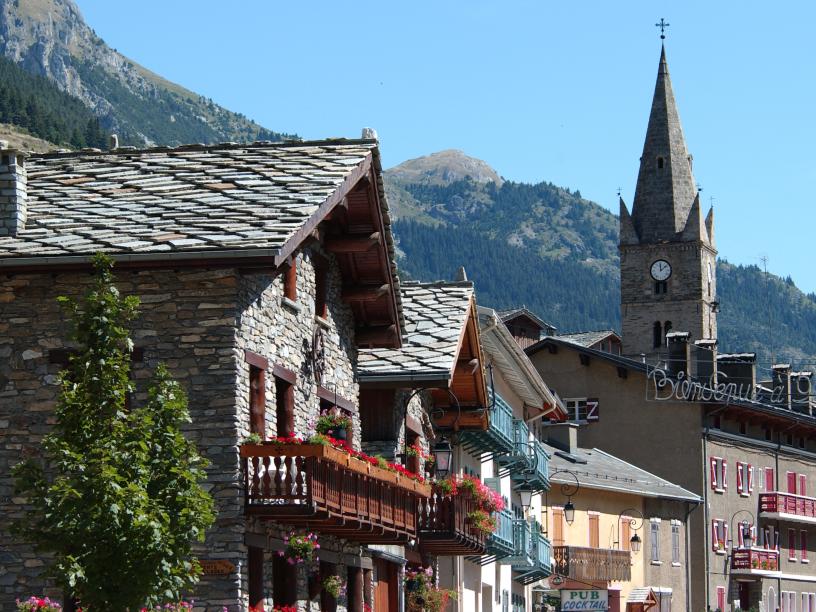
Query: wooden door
{"points": [[745, 595], [386, 590]]}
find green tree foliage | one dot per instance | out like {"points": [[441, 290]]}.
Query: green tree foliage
{"points": [[36, 104], [115, 496]]}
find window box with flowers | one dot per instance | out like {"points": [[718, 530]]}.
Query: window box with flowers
{"points": [[334, 425]]}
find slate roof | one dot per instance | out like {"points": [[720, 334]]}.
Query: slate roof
{"points": [[506, 315], [597, 469], [185, 199], [588, 338], [435, 317]]}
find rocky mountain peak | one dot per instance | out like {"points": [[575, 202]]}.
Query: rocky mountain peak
{"points": [[444, 167]]}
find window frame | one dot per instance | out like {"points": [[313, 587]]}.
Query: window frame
{"points": [[675, 533], [654, 541]]}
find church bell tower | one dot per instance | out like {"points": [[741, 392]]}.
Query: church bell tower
{"points": [[667, 253]]}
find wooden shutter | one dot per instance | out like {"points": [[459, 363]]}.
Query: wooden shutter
{"points": [[285, 407], [290, 281], [594, 531], [770, 485], [791, 476], [713, 463], [626, 533], [802, 484], [724, 474], [257, 401], [558, 527], [740, 478], [715, 534], [750, 478]]}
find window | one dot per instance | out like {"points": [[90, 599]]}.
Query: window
{"points": [[667, 327], [716, 422], [770, 480], [719, 535], [791, 545], [745, 479], [290, 281], [719, 474], [675, 532], [789, 439], [654, 537], [594, 530], [660, 162], [626, 533], [769, 434], [770, 538], [558, 526], [661, 287], [285, 406], [657, 334], [740, 532], [743, 428], [321, 270], [801, 442], [803, 549], [582, 410], [721, 598], [257, 401]]}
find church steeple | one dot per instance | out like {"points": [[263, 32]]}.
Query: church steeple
{"points": [[665, 192]]}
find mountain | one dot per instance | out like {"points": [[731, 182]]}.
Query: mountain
{"points": [[548, 248], [49, 38]]}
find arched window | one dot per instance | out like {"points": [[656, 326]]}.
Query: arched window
{"points": [[660, 163], [657, 334]]}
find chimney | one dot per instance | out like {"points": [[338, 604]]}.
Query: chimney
{"points": [[705, 361], [563, 436], [678, 352], [461, 275], [13, 208], [738, 369], [369, 134], [114, 142], [781, 385], [800, 391]]}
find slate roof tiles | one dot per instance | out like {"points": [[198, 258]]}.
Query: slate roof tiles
{"points": [[435, 315]]}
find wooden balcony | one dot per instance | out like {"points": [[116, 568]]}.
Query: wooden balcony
{"points": [[497, 439], [582, 563], [500, 542], [755, 561], [787, 506], [328, 491], [532, 556], [444, 528]]}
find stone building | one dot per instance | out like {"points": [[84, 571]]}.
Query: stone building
{"points": [[262, 270]]}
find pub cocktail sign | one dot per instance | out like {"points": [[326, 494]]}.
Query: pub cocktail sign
{"points": [[583, 599]]}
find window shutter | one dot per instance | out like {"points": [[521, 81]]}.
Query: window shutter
{"points": [[803, 544], [750, 478], [776, 540], [493, 484], [725, 533], [740, 539], [724, 474], [715, 536], [740, 483], [770, 485], [791, 476], [713, 462], [802, 484]]}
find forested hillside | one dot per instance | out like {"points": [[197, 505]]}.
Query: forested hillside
{"points": [[549, 249]]}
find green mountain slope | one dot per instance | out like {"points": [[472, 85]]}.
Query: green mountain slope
{"points": [[555, 252], [49, 38]]}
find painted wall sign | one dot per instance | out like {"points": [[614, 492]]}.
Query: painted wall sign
{"points": [[584, 599], [216, 567]]}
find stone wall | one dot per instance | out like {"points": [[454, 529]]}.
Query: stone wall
{"points": [[187, 321]]}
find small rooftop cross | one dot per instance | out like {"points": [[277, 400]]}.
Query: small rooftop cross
{"points": [[662, 25]]}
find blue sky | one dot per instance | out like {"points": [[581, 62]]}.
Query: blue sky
{"points": [[555, 91]]}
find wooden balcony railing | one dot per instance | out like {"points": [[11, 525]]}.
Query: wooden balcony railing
{"points": [[751, 560], [788, 503], [500, 542], [444, 528], [328, 491], [581, 563]]}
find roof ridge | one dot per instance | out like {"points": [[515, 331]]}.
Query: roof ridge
{"points": [[437, 283], [225, 146]]}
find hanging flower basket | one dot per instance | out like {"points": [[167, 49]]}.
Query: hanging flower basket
{"points": [[300, 548]]}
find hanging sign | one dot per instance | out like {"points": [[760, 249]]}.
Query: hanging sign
{"points": [[216, 567], [584, 599]]}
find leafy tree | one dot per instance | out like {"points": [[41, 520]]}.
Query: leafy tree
{"points": [[115, 496]]}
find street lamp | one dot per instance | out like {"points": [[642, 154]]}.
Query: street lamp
{"points": [[526, 499], [568, 490], [443, 452], [635, 524], [747, 532]]}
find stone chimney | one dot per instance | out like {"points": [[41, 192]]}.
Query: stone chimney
{"points": [[801, 387], [738, 369], [705, 361], [563, 436], [461, 275], [13, 208], [678, 352], [369, 134], [781, 385]]}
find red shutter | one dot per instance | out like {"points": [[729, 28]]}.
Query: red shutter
{"points": [[724, 474], [750, 478], [770, 485], [713, 461], [791, 543], [740, 537], [803, 543], [791, 482], [715, 535], [725, 534], [802, 484], [740, 483]]}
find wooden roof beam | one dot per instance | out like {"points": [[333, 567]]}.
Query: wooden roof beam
{"points": [[353, 243], [365, 293]]}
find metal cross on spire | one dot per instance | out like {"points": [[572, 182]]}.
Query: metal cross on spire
{"points": [[662, 25]]}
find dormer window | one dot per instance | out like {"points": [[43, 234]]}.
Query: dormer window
{"points": [[660, 162]]}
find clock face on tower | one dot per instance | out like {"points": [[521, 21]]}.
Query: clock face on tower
{"points": [[661, 270]]}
